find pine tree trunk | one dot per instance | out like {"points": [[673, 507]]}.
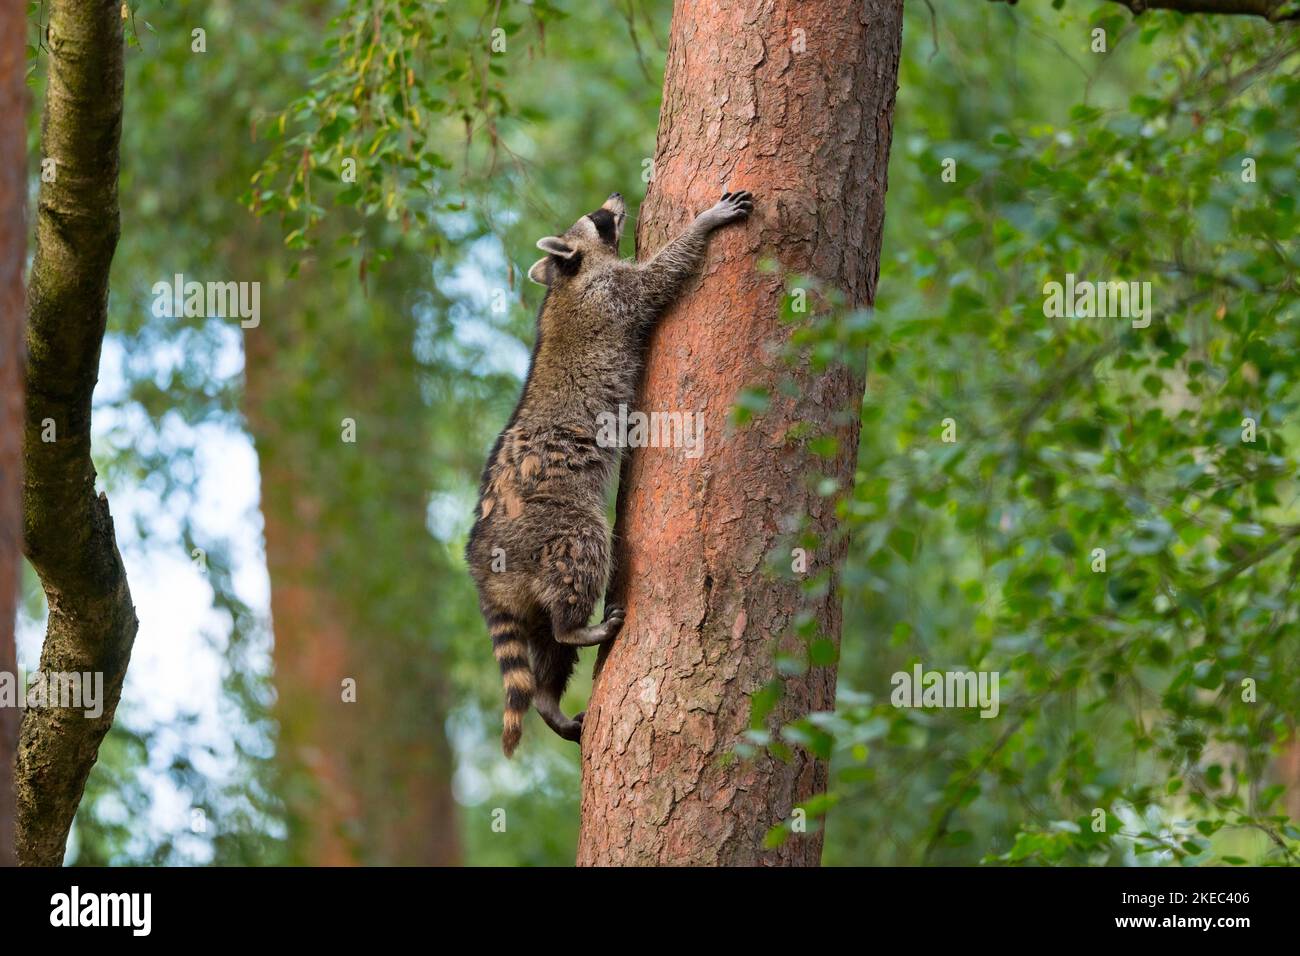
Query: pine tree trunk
{"points": [[13, 245], [366, 780], [793, 100]]}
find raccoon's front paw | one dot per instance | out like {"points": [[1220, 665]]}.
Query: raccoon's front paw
{"points": [[732, 207]]}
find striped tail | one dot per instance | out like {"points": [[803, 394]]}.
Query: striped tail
{"points": [[511, 651]]}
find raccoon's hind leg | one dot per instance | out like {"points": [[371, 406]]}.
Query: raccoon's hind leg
{"points": [[574, 569], [552, 667], [596, 633]]}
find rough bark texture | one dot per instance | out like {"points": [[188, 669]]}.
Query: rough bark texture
{"points": [[13, 245], [350, 558], [809, 133], [67, 529]]}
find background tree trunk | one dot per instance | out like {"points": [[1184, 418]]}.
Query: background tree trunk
{"points": [[67, 529], [351, 559], [13, 245], [792, 99]]}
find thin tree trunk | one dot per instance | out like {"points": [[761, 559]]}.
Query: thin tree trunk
{"points": [[13, 246], [350, 560], [67, 529], [793, 100]]}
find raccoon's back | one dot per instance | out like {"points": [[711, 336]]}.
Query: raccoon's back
{"points": [[541, 478]]}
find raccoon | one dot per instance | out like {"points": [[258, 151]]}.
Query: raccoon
{"points": [[539, 550]]}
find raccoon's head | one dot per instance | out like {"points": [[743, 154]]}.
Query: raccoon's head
{"points": [[592, 238]]}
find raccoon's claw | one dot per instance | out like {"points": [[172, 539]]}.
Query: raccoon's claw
{"points": [[573, 729], [614, 615], [730, 208], [596, 633], [736, 205]]}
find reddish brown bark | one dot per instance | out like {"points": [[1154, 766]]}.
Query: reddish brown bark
{"points": [[311, 659], [809, 133], [13, 245], [365, 781]]}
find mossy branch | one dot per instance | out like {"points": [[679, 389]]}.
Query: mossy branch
{"points": [[67, 530]]}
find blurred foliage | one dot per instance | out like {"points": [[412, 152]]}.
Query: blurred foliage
{"points": [[388, 91], [1146, 693], [195, 137], [509, 177]]}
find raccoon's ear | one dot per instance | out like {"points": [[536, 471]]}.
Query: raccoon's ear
{"points": [[556, 247], [537, 271]]}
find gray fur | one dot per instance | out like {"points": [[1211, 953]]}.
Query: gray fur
{"points": [[542, 500]]}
